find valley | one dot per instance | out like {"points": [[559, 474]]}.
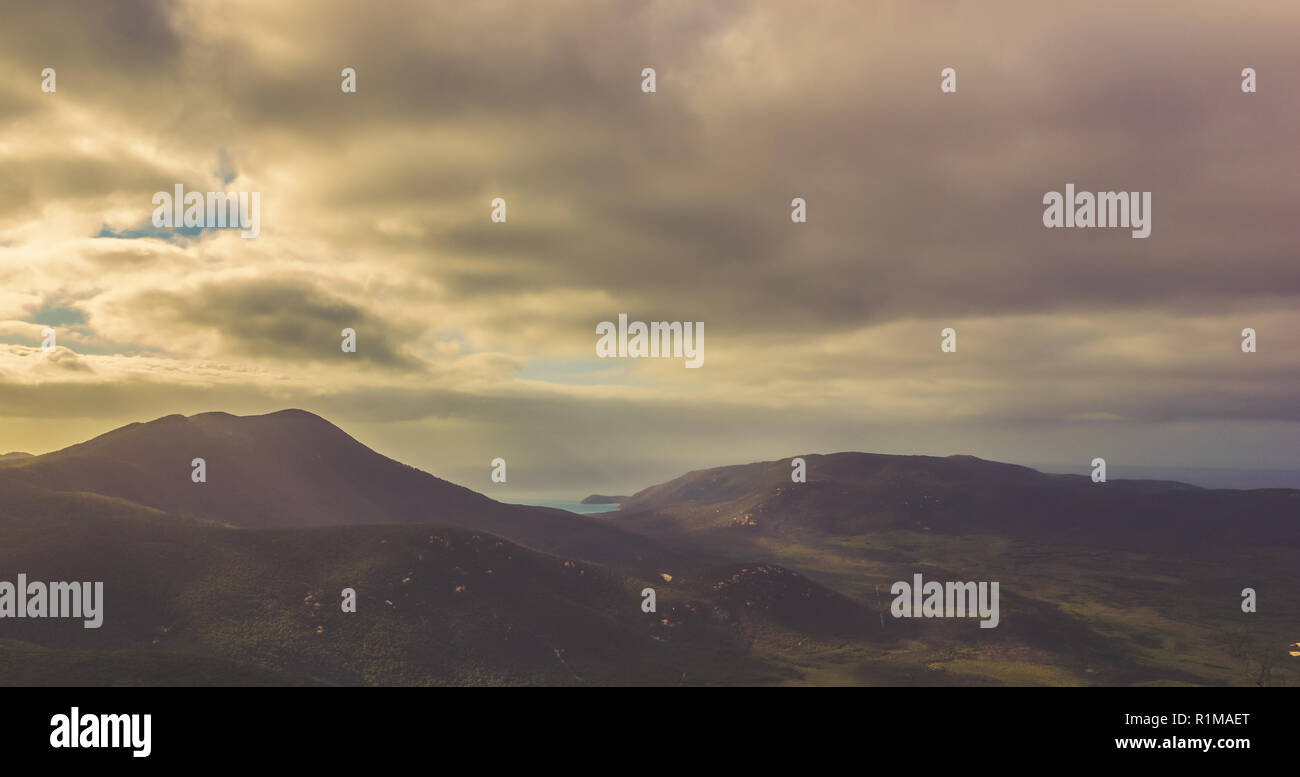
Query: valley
{"points": [[758, 580]]}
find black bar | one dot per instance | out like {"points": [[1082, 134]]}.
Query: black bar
{"points": [[328, 726]]}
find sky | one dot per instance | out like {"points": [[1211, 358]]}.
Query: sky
{"points": [[476, 339]]}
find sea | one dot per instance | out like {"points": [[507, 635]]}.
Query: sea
{"points": [[564, 504]]}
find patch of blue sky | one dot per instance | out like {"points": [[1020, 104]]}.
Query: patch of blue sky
{"points": [[54, 312], [69, 324], [225, 171], [177, 235]]}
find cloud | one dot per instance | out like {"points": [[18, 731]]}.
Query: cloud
{"points": [[923, 212], [274, 318]]}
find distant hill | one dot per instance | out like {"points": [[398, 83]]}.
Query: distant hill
{"points": [[1121, 582], [14, 455], [295, 469], [853, 493]]}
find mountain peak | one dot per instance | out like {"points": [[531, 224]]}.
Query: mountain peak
{"points": [[293, 468], [287, 413]]}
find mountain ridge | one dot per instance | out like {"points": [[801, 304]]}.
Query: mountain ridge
{"points": [[758, 578], [292, 468], [854, 492]]}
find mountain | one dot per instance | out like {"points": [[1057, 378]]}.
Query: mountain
{"points": [[14, 455], [757, 579], [193, 602], [852, 493], [295, 469], [1121, 582]]}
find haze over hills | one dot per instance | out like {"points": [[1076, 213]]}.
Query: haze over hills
{"points": [[758, 579], [238, 580], [295, 469]]}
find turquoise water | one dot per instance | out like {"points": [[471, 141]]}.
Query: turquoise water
{"points": [[563, 504]]}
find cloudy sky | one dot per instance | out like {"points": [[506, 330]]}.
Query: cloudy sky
{"points": [[477, 339]]}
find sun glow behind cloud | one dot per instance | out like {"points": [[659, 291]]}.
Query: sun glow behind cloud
{"points": [[476, 340]]}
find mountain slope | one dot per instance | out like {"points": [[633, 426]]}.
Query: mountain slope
{"points": [[852, 493], [1113, 583], [294, 469], [192, 602]]}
